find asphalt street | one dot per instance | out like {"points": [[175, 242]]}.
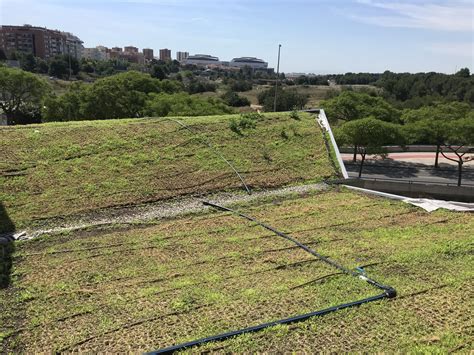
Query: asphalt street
{"points": [[415, 167]]}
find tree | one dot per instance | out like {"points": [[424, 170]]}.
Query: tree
{"points": [[195, 86], [463, 73], [62, 66], [119, 96], [431, 124], [233, 99], [183, 104], [42, 66], [58, 68], [459, 142], [240, 85], [28, 62], [369, 135], [439, 111], [429, 132], [21, 94], [352, 105], [158, 72], [87, 65], [416, 90], [66, 107], [287, 99]]}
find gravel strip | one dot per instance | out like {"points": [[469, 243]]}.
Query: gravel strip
{"points": [[158, 210]]}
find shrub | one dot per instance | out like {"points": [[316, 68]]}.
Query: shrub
{"points": [[232, 99], [183, 104], [287, 99], [294, 115], [244, 122], [197, 86], [241, 85]]}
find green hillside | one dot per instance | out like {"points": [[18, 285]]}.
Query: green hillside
{"points": [[60, 169]]}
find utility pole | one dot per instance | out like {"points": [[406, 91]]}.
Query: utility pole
{"points": [[276, 81], [69, 57]]}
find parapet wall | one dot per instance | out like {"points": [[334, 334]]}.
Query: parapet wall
{"points": [[416, 190]]}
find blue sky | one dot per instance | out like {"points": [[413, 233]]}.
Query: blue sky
{"points": [[319, 36]]}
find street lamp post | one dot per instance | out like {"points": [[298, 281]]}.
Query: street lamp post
{"points": [[277, 78]]}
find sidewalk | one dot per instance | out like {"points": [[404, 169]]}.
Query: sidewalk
{"points": [[411, 167], [426, 158]]}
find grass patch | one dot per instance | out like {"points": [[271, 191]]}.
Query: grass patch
{"points": [[59, 169], [196, 276]]}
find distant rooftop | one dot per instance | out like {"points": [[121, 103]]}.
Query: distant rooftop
{"points": [[248, 60], [203, 57]]}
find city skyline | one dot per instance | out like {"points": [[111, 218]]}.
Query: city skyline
{"points": [[316, 36]]}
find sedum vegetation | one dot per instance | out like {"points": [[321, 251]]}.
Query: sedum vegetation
{"points": [[144, 287], [59, 169]]}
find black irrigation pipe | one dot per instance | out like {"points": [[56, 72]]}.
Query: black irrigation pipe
{"points": [[294, 319], [210, 146], [338, 266], [388, 292]]}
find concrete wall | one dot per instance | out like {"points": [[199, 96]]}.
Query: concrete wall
{"points": [[442, 192]]}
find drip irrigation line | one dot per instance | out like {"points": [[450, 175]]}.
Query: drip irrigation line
{"points": [[388, 292], [359, 273], [210, 146], [294, 319]]}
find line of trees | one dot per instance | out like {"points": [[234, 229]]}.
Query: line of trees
{"points": [[416, 90], [28, 98], [369, 123]]}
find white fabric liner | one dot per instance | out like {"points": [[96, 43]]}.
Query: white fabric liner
{"points": [[427, 204], [323, 122]]}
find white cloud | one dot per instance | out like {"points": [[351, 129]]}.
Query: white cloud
{"points": [[454, 15]]}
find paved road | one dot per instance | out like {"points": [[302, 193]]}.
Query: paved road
{"points": [[411, 167]]}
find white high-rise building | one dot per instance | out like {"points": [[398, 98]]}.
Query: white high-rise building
{"points": [[181, 56]]}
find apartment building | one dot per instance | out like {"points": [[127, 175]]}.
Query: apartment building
{"points": [[130, 54], [148, 54], [130, 49], [97, 53], [39, 41], [74, 45], [181, 56], [165, 54]]}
